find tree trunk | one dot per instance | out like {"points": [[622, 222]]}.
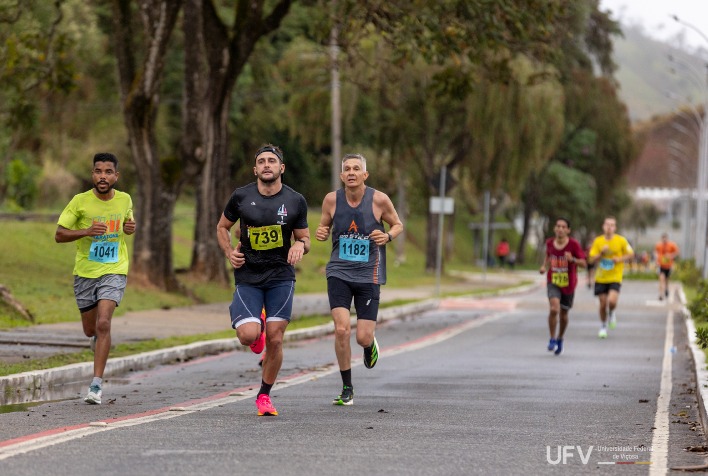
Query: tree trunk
{"points": [[140, 86], [198, 139], [226, 53], [154, 210], [208, 259]]}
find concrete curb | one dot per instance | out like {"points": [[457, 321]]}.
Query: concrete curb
{"points": [[31, 386], [699, 362]]}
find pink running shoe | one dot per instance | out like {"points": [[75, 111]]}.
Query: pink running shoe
{"points": [[259, 344], [265, 407]]}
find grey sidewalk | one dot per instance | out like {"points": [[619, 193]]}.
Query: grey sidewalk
{"points": [[194, 320], [48, 339]]}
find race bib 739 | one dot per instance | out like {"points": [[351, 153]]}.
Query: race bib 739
{"points": [[266, 237]]}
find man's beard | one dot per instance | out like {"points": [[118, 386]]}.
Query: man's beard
{"points": [[269, 181], [110, 187]]}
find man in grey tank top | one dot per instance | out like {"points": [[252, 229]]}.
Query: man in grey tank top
{"points": [[355, 215]]}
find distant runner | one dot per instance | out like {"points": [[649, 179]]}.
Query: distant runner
{"points": [[563, 255], [609, 251], [665, 253]]}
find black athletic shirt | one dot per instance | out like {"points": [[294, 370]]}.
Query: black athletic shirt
{"points": [[267, 224]]}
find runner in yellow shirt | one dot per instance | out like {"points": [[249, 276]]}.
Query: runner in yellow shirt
{"points": [[98, 221], [609, 251]]}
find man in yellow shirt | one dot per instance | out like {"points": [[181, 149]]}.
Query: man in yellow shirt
{"points": [[609, 251], [98, 221]]}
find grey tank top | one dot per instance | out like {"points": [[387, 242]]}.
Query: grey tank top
{"points": [[356, 258]]}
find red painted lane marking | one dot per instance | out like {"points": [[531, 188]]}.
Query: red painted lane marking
{"points": [[490, 304], [435, 336]]}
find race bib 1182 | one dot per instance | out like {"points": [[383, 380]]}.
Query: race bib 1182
{"points": [[354, 249]]}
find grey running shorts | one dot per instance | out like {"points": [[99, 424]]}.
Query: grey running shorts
{"points": [[89, 291], [566, 300]]}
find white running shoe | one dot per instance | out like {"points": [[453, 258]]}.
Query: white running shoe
{"points": [[603, 333], [613, 320], [92, 343], [94, 395]]}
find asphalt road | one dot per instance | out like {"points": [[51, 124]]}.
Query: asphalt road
{"points": [[465, 389]]}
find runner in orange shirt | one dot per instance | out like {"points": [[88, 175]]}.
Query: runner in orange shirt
{"points": [[665, 252]]}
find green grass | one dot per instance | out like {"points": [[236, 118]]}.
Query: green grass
{"points": [[132, 348], [38, 273]]}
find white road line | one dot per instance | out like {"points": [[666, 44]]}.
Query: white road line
{"points": [[660, 440], [43, 440]]}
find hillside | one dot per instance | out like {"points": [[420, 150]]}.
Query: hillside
{"points": [[656, 78], [656, 81]]}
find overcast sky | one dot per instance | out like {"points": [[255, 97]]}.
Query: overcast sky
{"points": [[655, 17]]}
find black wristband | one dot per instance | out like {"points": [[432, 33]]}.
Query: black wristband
{"points": [[302, 241], [390, 238]]}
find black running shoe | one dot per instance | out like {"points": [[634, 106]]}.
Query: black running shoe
{"points": [[371, 355], [346, 397]]}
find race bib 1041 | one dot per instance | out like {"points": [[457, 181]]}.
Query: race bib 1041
{"points": [[104, 252]]}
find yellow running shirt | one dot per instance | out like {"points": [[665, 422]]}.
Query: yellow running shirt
{"points": [[607, 270], [97, 256]]}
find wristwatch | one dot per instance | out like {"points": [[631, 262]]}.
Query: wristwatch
{"points": [[390, 238], [302, 241]]}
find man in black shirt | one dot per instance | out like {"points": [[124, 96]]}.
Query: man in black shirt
{"points": [[270, 215]]}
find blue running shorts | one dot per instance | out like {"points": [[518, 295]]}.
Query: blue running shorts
{"points": [[249, 299]]}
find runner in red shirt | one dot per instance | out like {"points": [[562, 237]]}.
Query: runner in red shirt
{"points": [[563, 255]]}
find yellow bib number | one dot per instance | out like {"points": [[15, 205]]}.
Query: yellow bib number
{"points": [[266, 237], [560, 279]]}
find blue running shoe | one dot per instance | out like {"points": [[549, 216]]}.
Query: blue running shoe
{"points": [[552, 345], [559, 349]]}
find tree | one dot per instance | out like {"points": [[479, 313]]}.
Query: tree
{"points": [[35, 62], [597, 138], [216, 54], [447, 51], [141, 60], [570, 193]]}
